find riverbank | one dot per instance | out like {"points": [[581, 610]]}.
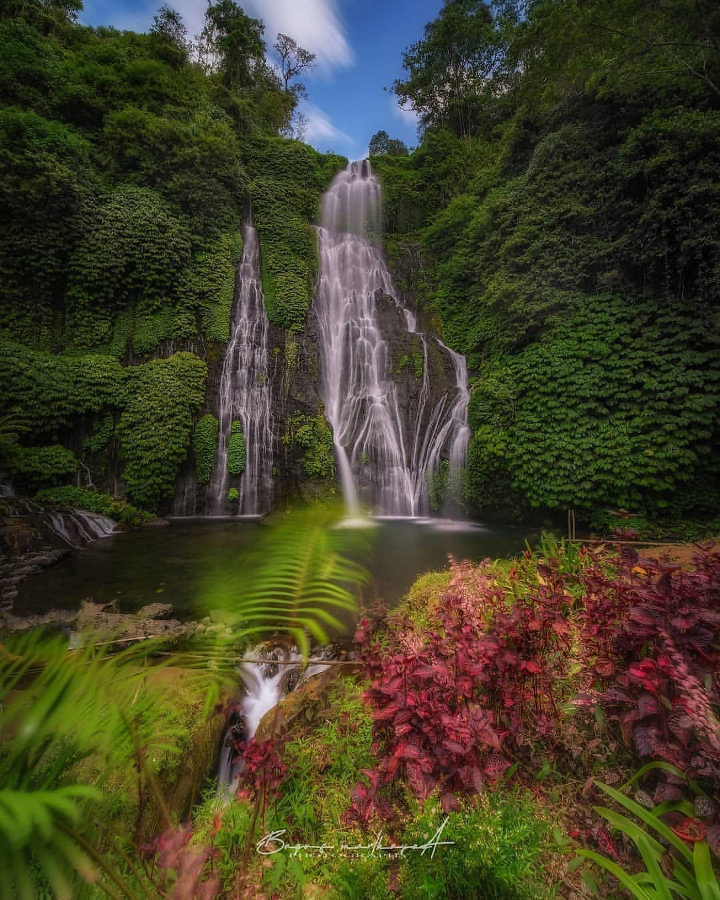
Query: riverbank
{"points": [[459, 750], [484, 714]]}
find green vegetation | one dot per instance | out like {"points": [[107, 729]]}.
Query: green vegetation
{"points": [[156, 400], [287, 180], [559, 223], [64, 716], [237, 451], [205, 442], [498, 838], [154, 429], [127, 163], [598, 398], [313, 435], [84, 498], [42, 466], [101, 435], [411, 362], [692, 872]]}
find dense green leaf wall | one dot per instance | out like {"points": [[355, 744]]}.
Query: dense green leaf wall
{"points": [[287, 180], [567, 240], [126, 171]]}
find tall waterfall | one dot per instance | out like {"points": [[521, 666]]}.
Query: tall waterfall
{"points": [[245, 397], [384, 455]]}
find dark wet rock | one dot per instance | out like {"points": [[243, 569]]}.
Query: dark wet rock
{"points": [[53, 618], [156, 611], [104, 619]]}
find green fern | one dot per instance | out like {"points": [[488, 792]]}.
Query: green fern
{"points": [[57, 709], [294, 583]]}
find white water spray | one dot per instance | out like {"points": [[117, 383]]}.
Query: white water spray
{"points": [[267, 679]]}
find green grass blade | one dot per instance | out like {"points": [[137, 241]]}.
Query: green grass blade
{"points": [[614, 869], [706, 879]]}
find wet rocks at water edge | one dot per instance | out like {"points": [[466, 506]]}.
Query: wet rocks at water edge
{"points": [[33, 537], [14, 570], [104, 622]]}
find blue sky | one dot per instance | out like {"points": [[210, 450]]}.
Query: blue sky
{"points": [[358, 47]]}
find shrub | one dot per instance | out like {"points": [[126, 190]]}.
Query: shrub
{"points": [[498, 838], [652, 634], [453, 700], [237, 451], [205, 440], [43, 466], [155, 428], [83, 498], [313, 434]]}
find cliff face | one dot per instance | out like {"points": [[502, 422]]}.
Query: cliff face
{"points": [[303, 453]]}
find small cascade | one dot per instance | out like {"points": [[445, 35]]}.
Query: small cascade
{"points": [[245, 415], [267, 678], [384, 457], [77, 526]]}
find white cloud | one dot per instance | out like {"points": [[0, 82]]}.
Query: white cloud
{"points": [[192, 12], [320, 128], [409, 116], [314, 24]]}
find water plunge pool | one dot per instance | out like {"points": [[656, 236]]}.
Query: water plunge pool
{"points": [[170, 564]]}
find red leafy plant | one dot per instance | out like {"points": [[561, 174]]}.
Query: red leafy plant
{"points": [[652, 631], [182, 866], [452, 703], [263, 770]]}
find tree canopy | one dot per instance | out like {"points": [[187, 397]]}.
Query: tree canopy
{"points": [[381, 144]]}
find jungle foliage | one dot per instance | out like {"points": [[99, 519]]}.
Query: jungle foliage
{"points": [[127, 165], [559, 221]]}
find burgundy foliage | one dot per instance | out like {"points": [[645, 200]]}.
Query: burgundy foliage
{"points": [[174, 854], [452, 703], [263, 770], [652, 632]]}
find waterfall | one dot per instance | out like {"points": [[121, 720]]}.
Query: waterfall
{"points": [[268, 676], [399, 450], [76, 526], [245, 398]]}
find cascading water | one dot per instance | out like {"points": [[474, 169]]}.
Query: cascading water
{"points": [[361, 403], [267, 679], [245, 398], [78, 525]]}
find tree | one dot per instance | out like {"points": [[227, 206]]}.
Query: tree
{"points": [[170, 34], [40, 11], [293, 60], [231, 43], [450, 68], [381, 144]]}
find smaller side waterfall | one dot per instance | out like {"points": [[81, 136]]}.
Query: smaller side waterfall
{"points": [[77, 526], [245, 440], [269, 677]]}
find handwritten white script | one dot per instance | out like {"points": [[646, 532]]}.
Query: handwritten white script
{"points": [[274, 843]]}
